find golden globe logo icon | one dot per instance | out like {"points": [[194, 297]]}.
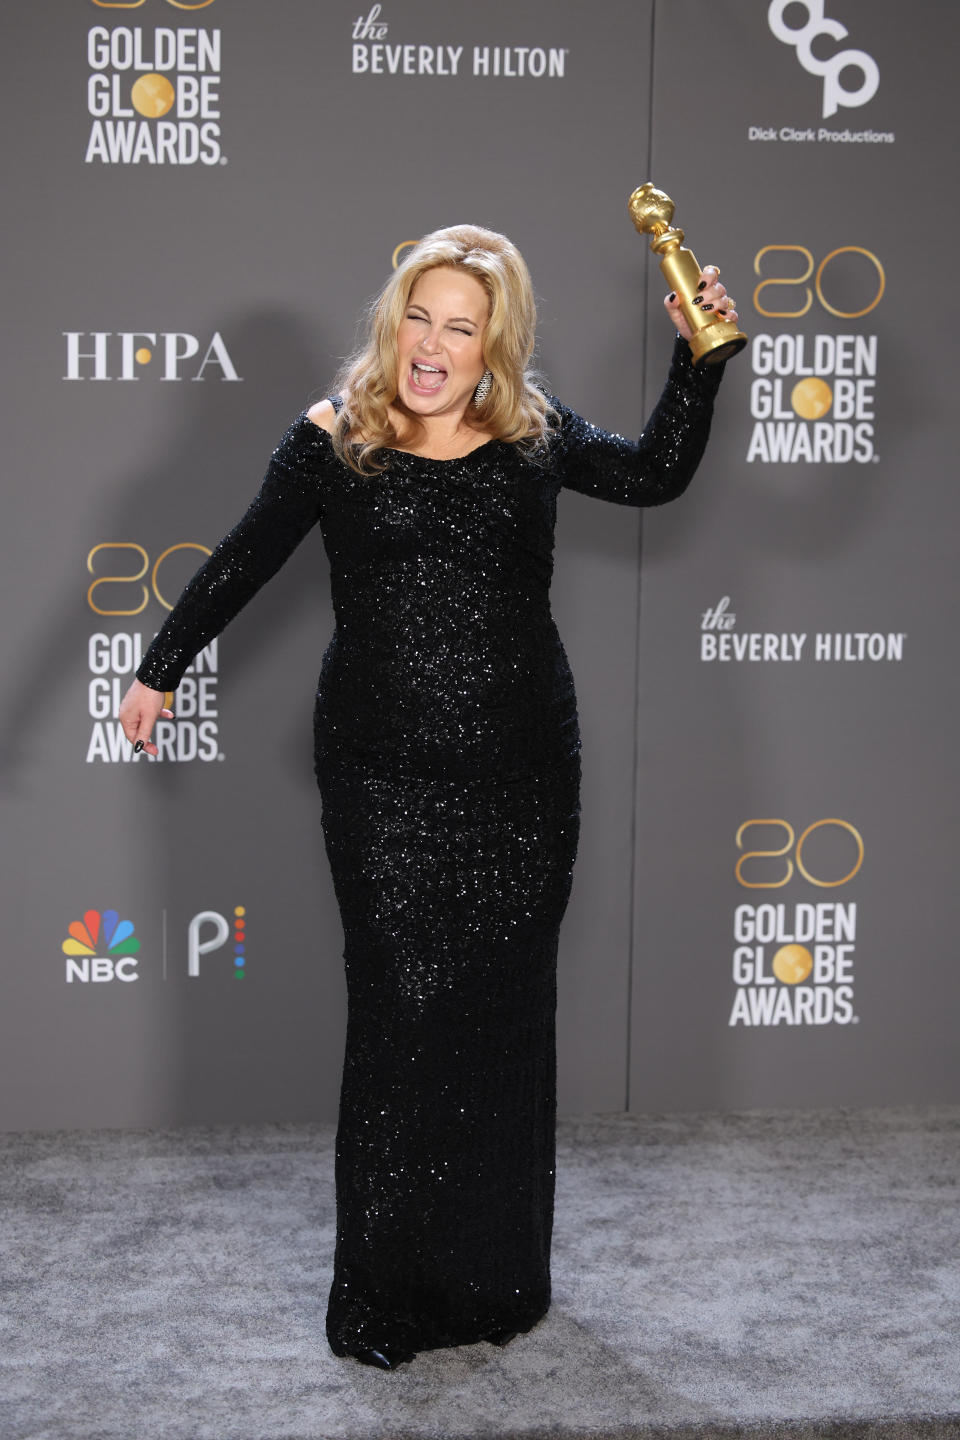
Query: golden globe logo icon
{"points": [[813, 396], [153, 74], [826, 380], [779, 945], [127, 579], [193, 733]]}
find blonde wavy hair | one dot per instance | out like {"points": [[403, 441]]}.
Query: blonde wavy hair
{"points": [[515, 409]]}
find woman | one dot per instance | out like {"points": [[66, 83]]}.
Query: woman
{"points": [[447, 756]]}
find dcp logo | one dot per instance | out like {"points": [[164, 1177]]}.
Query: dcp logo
{"points": [[803, 37]]}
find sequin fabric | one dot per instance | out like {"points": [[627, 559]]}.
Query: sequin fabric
{"points": [[447, 755]]}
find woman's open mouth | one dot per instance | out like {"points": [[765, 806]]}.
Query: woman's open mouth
{"points": [[426, 379]]}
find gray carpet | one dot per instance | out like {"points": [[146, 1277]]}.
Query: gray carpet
{"points": [[768, 1275]]}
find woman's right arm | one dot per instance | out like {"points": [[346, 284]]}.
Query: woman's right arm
{"points": [[285, 509]]}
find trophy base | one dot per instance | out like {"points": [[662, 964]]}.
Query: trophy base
{"points": [[715, 343]]}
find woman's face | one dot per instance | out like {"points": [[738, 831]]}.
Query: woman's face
{"points": [[440, 342]]}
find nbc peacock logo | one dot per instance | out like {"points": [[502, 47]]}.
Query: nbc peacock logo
{"points": [[107, 934]]}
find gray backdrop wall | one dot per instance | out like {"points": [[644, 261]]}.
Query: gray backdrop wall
{"points": [[203, 196]]}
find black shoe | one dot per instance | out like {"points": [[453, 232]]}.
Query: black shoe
{"points": [[384, 1358], [502, 1337]]}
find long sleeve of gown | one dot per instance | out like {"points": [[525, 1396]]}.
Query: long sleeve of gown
{"points": [[660, 465], [284, 510]]}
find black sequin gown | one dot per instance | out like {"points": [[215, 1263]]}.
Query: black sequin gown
{"points": [[447, 755]]}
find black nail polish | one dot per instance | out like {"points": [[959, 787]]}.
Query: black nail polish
{"points": [[702, 285], [707, 307], [138, 747], [698, 300], [672, 296]]}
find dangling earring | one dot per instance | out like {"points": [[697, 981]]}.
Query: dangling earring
{"points": [[484, 388]]}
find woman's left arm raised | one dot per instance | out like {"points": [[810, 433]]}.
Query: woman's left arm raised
{"points": [[660, 465]]}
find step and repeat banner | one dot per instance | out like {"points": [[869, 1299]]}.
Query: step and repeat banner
{"points": [[202, 198], [797, 780]]}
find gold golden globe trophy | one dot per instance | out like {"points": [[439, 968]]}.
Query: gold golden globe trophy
{"points": [[713, 337]]}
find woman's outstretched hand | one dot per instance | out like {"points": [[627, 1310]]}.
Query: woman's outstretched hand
{"points": [[139, 711], [712, 295]]}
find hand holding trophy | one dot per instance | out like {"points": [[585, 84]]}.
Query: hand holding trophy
{"points": [[713, 337]]}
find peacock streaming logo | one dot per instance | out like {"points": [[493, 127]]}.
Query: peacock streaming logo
{"points": [[96, 932], [209, 930], [153, 93]]}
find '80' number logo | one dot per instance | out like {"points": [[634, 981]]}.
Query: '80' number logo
{"points": [[135, 4], [134, 578], [760, 856], [873, 265]]}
